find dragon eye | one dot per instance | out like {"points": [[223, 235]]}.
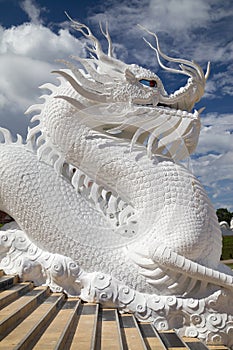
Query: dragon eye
{"points": [[153, 83], [150, 83]]}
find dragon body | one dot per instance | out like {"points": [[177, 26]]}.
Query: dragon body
{"points": [[100, 184]]}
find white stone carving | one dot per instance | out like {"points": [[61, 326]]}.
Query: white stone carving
{"points": [[198, 316], [105, 207], [227, 230]]}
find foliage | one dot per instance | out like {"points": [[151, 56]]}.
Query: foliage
{"points": [[224, 215], [227, 249]]}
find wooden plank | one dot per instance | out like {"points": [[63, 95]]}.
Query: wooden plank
{"points": [[25, 335], [171, 340], [150, 337], [109, 330], [8, 281], [217, 347], [96, 330], [14, 313], [194, 343], [66, 336], [85, 333], [52, 336], [9, 295], [131, 336], [119, 329]]}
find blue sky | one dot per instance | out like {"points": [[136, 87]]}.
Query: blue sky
{"points": [[33, 34]]}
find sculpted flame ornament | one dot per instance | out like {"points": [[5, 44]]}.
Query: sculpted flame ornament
{"points": [[105, 208]]}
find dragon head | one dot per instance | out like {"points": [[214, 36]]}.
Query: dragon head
{"points": [[106, 81], [154, 92], [137, 84]]}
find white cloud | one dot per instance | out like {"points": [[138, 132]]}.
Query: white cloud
{"points": [[176, 18], [38, 42], [215, 173], [223, 81], [32, 10], [161, 15], [19, 77], [28, 54], [215, 169], [215, 134], [177, 15]]}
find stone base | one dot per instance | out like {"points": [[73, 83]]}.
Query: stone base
{"points": [[210, 318]]}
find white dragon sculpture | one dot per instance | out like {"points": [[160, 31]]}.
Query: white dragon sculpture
{"points": [[103, 204]]}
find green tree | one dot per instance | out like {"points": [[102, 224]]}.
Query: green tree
{"points": [[224, 215]]}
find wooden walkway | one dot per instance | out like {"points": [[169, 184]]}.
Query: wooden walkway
{"points": [[35, 318]]}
